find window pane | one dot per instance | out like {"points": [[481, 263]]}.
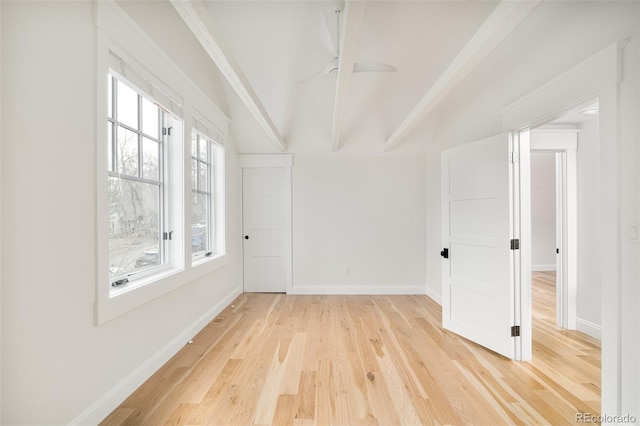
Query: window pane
{"points": [[127, 105], [127, 152], [194, 174], [110, 96], [199, 222], [150, 118], [194, 144], [110, 145], [134, 226], [202, 155], [203, 177], [150, 156]]}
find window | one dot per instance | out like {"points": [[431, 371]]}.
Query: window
{"points": [[205, 204], [138, 187], [143, 203]]}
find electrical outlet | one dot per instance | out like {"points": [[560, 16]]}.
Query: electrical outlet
{"points": [[347, 270]]}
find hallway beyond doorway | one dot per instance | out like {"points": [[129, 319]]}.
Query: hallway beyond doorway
{"points": [[559, 353]]}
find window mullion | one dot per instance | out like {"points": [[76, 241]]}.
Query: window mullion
{"points": [[134, 178]]}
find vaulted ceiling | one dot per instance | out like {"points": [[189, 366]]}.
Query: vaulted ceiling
{"points": [[274, 55]]}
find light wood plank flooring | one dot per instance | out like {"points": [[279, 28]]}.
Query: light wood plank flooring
{"points": [[350, 360]]}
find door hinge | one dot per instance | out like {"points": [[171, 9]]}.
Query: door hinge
{"points": [[515, 244], [166, 131], [514, 157], [515, 331]]}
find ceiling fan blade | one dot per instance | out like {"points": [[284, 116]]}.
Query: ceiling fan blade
{"points": [[373, 66], [331, 66], [325, 35]]}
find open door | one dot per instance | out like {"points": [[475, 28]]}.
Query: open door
{"points": [[481, 231]]}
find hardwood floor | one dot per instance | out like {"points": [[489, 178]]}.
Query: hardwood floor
{"points": [[321, 360]]}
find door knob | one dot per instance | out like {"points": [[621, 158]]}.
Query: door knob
{"points": [[445, 253], [246, 237]]}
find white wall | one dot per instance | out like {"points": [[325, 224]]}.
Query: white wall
{"points": [[1, 320], [635, 399], [589, 269], [630, 213], [543, 211], [366, 213], [56, 362], [180, 44]]}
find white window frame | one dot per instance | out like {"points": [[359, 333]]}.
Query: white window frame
{"points": [[216, 190], [165, 160], [172, 219], [196, 189], [171, 88]]}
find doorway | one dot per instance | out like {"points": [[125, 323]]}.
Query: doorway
{"points": [[565, 172], [565, 240], [266, 222], [546, 231], [597, 76], [554, 214]]}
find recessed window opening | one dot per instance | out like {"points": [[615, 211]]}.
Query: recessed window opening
{"points": [[206, 156], [139, 220]]}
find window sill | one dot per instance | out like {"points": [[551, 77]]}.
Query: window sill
{"points": [[144, 290], [203, 260], [142, 281]]}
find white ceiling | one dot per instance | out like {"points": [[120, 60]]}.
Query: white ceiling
{"points": [[275, 44], [278, 43]]}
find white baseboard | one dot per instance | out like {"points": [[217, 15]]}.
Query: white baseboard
{"points": [[356, 290], [587, 327], [437, 297], [542, 268], [114, 397]]}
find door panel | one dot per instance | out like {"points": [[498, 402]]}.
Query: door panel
{"points": [[263, 227], [478, 286]]}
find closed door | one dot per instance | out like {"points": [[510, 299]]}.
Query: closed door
{"points": [[478, 255], [263, 210]]}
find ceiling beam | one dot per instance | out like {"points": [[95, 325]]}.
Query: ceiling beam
{"points": [[505, 17], [195, 15], [352, 18]]}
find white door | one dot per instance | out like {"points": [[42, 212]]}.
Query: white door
{"points": [[479, 270], [263, 211]]}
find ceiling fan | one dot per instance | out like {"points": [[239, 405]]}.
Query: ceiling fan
{"points": [[333, 49]]}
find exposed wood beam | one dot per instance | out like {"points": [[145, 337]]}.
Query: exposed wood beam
{"points": [[195, 15], [352, 18], [506, 16]]}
